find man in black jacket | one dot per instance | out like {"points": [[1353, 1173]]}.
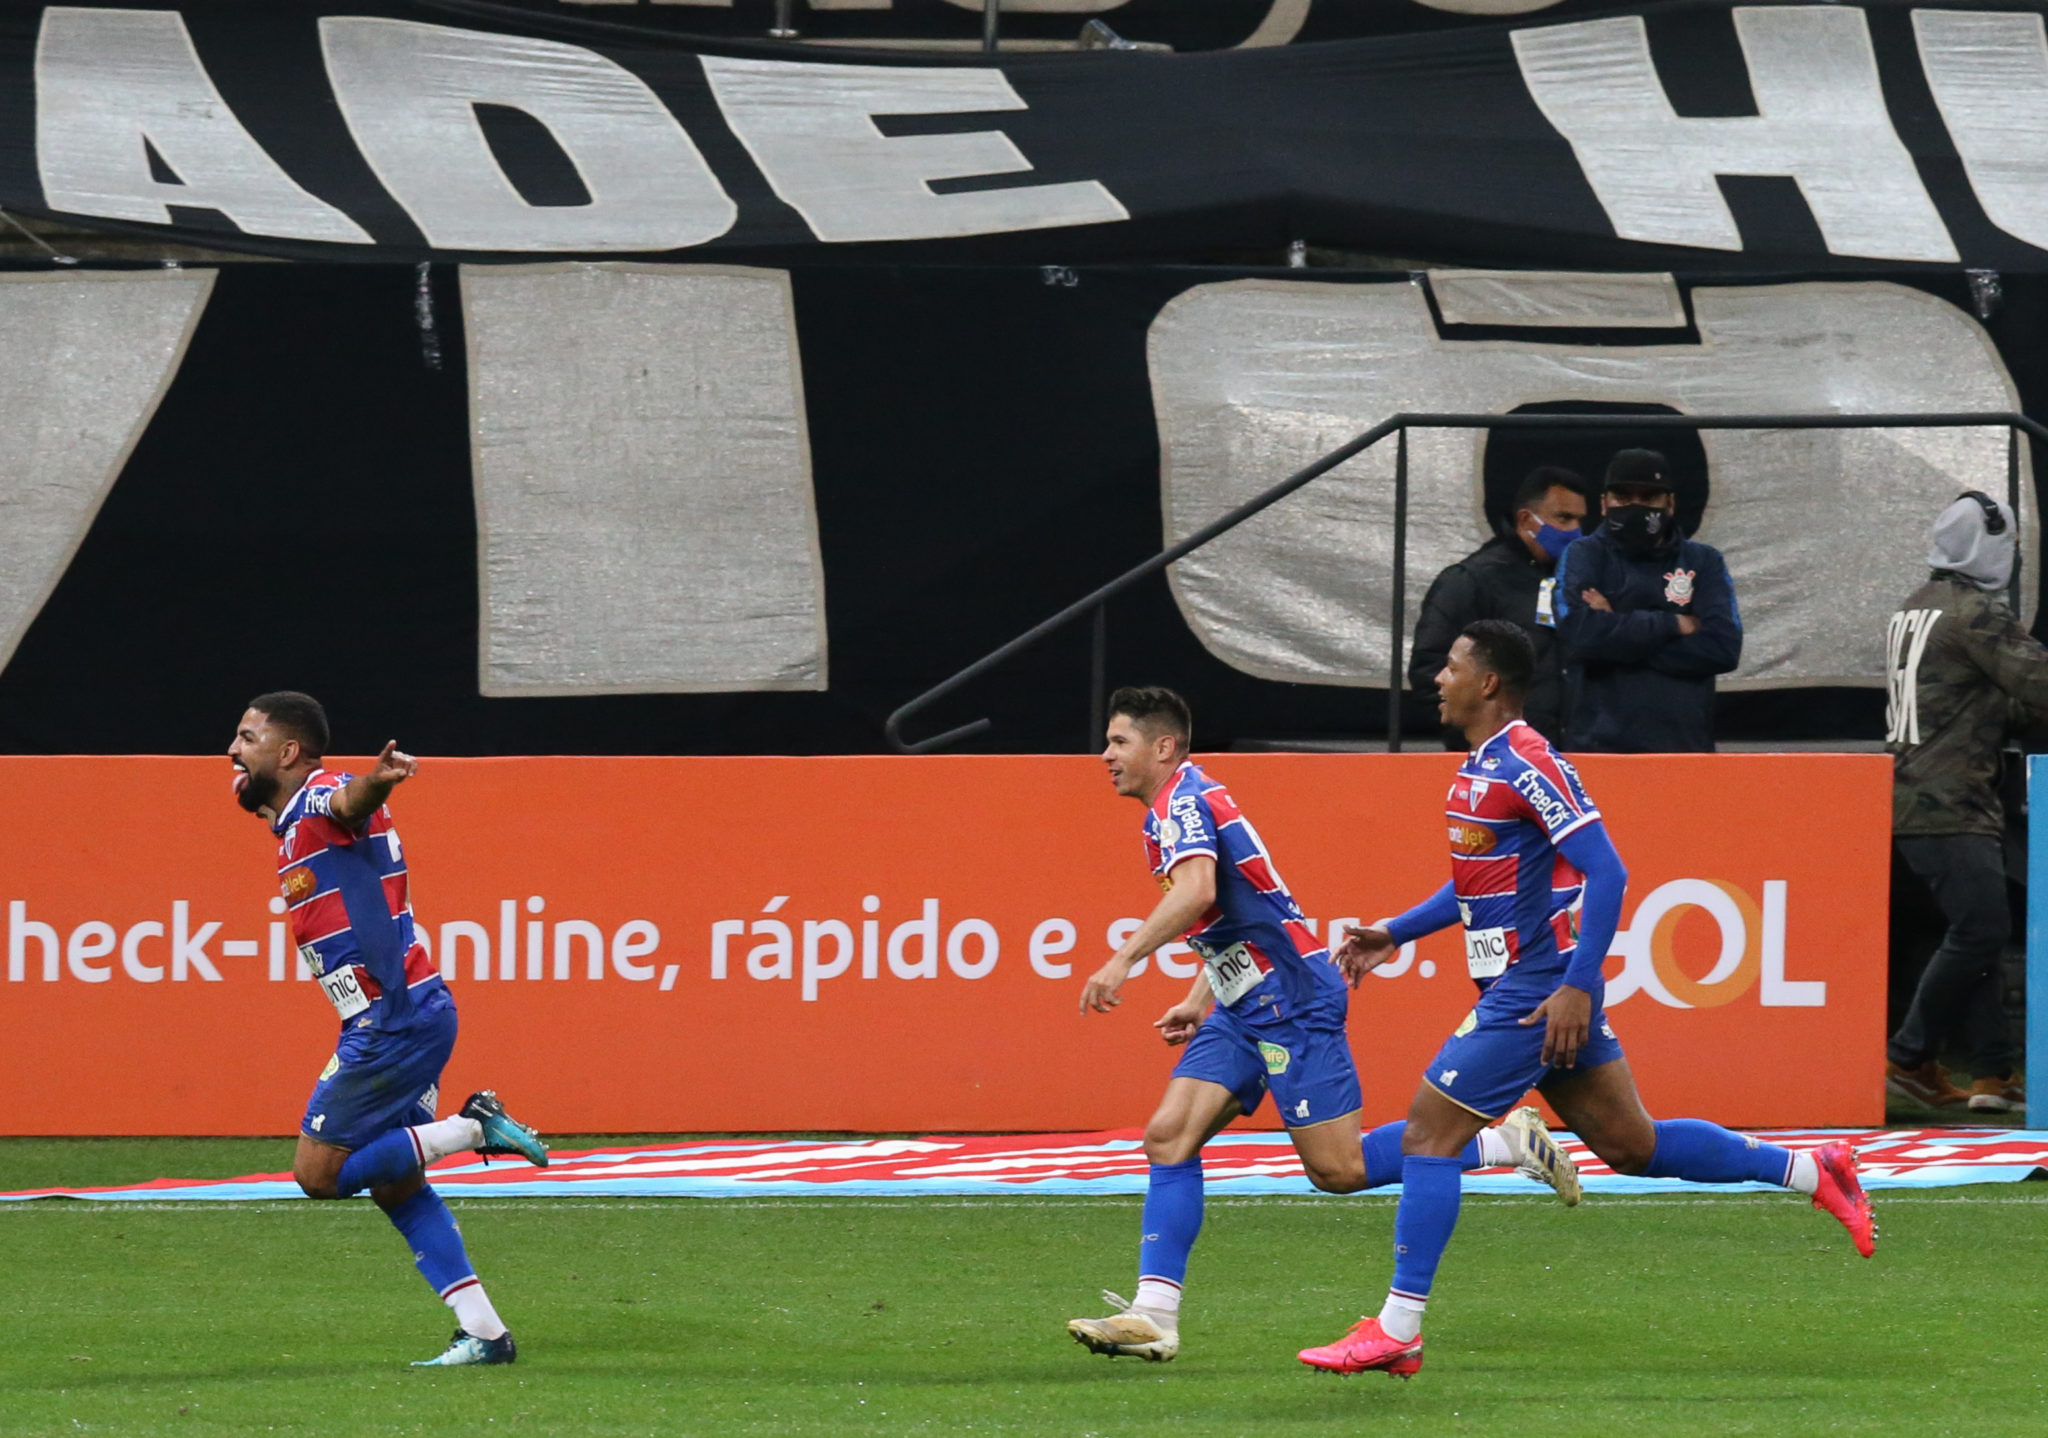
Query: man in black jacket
{"points": [[1648, 619], [1511, 577]]}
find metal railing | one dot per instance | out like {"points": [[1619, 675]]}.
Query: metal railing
{"points": [[1094, 603]]}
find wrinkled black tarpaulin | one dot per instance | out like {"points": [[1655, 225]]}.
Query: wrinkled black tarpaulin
{"points": [[1894, 134]]}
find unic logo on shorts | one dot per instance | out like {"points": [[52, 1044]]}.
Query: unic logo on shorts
{"points": [[1751, 952], [1276, 1057]]}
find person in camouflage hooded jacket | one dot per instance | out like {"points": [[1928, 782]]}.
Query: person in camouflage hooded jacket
{"points": [[1963, 673]]}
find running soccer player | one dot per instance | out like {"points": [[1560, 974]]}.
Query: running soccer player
{"points": [[370, 1122], [1278, 1021], [1538, 887]]}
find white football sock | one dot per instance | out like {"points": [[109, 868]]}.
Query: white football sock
{"points": [[1158, 1295], [474, 1312], [1401, 1318], [1496, 1150], [1805, 1174], [449, 1135]]}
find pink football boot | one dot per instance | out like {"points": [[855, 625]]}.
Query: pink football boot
{"points": [[1365, 1348]]}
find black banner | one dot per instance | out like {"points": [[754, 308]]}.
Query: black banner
{"points": [[1703, 136]]}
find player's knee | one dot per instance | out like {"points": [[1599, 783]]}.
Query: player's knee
{"points": [[1336, 1180], [315, 1185], [1167, 1139], [1629, 1156]]}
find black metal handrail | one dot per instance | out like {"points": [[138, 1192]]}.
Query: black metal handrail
{"points": [[1399, 425]]}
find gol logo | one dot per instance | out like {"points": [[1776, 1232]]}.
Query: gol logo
{"points": [[1752, 952]]}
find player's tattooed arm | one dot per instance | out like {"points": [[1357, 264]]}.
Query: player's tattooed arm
{"points": [[361, 797], [1193, 891]]}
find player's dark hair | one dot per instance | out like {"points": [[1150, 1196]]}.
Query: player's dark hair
{"points": [[1541, 480], [1156, 711], [1502, 646], [299, 715]]}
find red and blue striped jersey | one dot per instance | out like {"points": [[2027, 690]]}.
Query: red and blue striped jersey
{"points": [[1515, 798], [350, 914], [1258, 948]]}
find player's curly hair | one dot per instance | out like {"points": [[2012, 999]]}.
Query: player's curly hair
{"points": [[299, 715], [1503, 646], [1155, 711]]}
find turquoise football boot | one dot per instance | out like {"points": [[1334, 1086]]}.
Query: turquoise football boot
{"points": [[466, 1349], [503, 1133]]}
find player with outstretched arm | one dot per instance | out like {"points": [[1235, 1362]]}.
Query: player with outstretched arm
{"points": [[370, 1122], [1277, 1024], [1537, 886]]}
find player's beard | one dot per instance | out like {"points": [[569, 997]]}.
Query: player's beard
{"points": [[256, 795]]}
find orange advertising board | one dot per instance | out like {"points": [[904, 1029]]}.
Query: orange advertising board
{"points": [[878, 944]]}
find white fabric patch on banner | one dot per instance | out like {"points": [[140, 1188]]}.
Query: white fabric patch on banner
{"points": [[1569, 301], [1825, 531], [1989, 75], [88, 356], [1821, 118], [409, 93], [810, 128], [645, 520]]}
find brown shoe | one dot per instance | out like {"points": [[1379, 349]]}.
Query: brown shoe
{"points": [[1925, 1084], [1997, 1095]]}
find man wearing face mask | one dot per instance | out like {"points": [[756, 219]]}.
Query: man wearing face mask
{"points": [[1962, 673], [1512, 576], [1648, 619]]}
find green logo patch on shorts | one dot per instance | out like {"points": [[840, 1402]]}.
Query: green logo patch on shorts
{"points": [[1276, 1057], [1471, 1023]]}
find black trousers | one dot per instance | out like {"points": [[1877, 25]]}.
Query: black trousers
{"points": [[1961, 995]]}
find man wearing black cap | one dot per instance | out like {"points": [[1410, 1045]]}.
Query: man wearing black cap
{"points": [[1648, 619]]}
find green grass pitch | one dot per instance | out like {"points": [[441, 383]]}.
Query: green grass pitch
{"points": [[1636, 1316]]}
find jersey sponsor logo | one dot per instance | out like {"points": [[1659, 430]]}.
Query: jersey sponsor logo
{"points": [[1678, 585], [1233, 974], [298, 883], [1486, 953], [1550, 810], [1186, 810], [1276, 1057], [345, 992], [1473, 839]]}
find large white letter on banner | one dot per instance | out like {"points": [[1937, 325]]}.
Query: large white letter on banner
{"points": [[409, 93], [1820, 118], [1989, 75], [112, 83], [811, 130]]}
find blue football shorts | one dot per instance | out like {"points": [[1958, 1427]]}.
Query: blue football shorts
{"points": [[379, 1080], [1305, 1061], [1491, 1059]]}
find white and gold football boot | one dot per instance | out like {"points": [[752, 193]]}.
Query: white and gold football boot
{"points": [[1538, 1156], [1143, 1333]]}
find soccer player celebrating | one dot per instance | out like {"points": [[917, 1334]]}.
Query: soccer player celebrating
{"points": [[1278, 1023], [1538, 887], [370, 1123]]}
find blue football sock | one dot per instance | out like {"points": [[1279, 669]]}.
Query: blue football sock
{"points": [[1173, 1216], [384, 1159], [1707, 1153], [1382, 1148], [1423, 1223], [429, 1230]]}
